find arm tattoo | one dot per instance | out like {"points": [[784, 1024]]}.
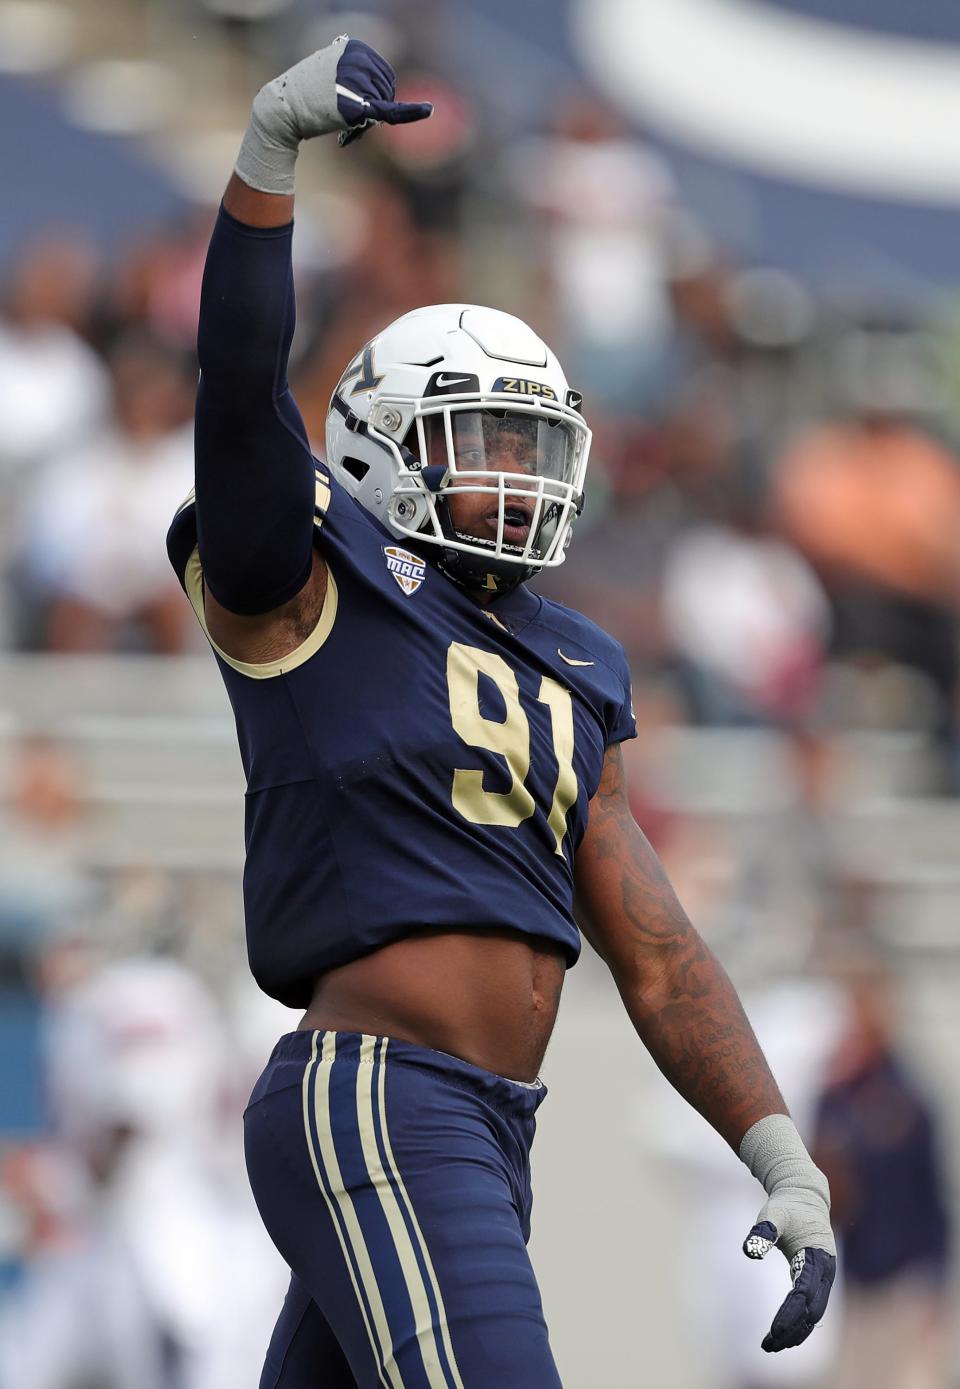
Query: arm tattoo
{"points": [[677, 994]]}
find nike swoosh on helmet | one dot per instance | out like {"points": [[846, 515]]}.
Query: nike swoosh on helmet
{"points": [[444, 381]]}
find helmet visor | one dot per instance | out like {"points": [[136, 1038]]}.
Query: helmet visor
{"points": [[503, 441], [511, 478]]}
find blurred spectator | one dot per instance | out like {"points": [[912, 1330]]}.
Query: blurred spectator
{"points": [[733, 381], [76, 1316], [53, 387], [122, 1284], [41, 887], [606, 202], [748, 620], [135, 1051], [432, 166], [874, 502], [44, 805], [42, 822], [155, 285], [95, 569], [877, 1140]]}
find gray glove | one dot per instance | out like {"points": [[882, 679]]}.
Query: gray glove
{"points": [[795, 1218], [346, 86]]}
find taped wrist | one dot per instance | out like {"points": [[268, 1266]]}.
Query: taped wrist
{"points": [[799, 1194], [298, 105]]}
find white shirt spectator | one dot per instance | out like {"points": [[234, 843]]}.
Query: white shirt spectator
{"points": [[97, 520], [54, 391], [608, 201], [748, 609]]}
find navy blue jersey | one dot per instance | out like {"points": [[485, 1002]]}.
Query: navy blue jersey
{"points": [[419, 761]]}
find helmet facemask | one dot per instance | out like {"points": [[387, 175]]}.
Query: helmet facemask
{"points": [[455, 428], [495, 486]]}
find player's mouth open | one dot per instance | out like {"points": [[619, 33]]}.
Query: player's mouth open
{"points": [[516, 522]]}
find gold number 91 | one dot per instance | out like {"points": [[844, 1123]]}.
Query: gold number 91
{"points": [[508, 738]]}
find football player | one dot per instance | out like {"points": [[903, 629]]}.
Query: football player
{"points": [[433, 765]]}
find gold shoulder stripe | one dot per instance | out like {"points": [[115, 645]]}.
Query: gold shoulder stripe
{"points": [[264, 670], [322, 499]]}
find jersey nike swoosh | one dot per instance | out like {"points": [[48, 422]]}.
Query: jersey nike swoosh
{"points": [[570, 660]]}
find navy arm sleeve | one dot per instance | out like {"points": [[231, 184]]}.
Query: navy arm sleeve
{"points": [[255, 486]]}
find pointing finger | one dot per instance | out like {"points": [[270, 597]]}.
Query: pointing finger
{"points": [[400, 112]]}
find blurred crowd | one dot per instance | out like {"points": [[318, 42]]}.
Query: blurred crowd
{"points": [[772, 528], [774, 496]]}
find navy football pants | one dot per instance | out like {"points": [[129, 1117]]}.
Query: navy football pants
{"points": [[395, 1182]]}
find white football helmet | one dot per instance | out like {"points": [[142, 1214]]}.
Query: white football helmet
{"points": [[455, 399]]}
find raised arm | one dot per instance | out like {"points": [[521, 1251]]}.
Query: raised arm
{"points": [[688, 1015], [255, 487]]}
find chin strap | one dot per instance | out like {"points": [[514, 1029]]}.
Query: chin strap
{"points": [[472, 571], [450, 563]]}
